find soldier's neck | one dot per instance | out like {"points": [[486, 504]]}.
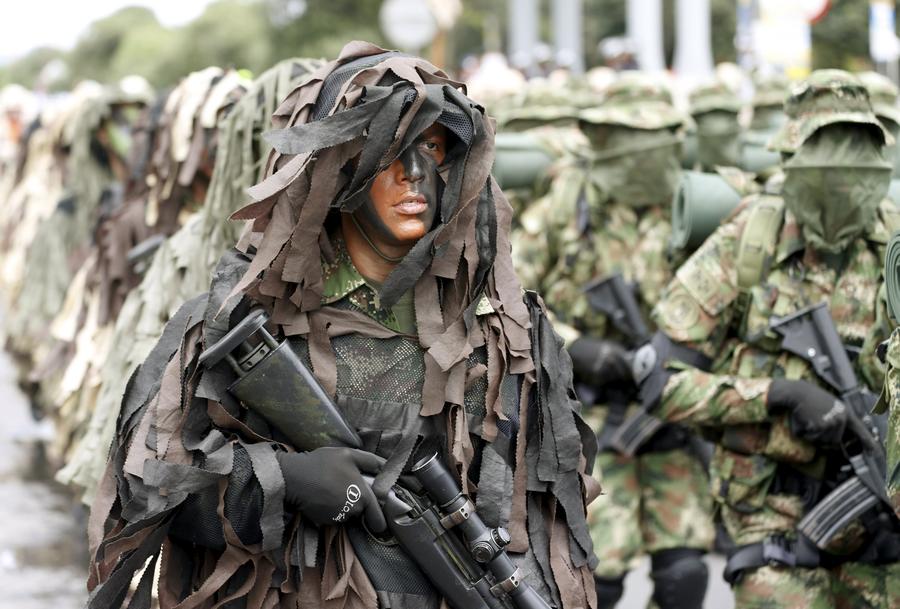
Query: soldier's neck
{"points": [[369, 262]]}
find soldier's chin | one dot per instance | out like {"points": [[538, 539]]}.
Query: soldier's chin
{"points": [[409, 230]]}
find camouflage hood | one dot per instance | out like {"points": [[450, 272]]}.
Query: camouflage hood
{"points": [[834, 183], [371, 104]]}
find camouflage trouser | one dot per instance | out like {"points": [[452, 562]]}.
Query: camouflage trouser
{"points": [[851, 586], [652, 502]]}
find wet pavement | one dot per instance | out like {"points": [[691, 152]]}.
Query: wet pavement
{"points": [[43, 549]]}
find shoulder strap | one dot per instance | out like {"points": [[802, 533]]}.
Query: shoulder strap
{"points": [[758, 240]]}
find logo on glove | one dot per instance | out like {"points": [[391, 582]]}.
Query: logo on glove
{"points": [[353, 496]]}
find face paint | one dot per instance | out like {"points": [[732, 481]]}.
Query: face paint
{"points": [[403, 199]]}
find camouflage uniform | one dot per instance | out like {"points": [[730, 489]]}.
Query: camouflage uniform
{"points": [[657, 500], [758, 465]]}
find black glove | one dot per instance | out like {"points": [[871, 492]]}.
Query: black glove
{"points": [[815, 414], [326, 485], [600, 362]]}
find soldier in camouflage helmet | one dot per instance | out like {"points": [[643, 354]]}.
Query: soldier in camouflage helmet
{"points": [[883, 93], [774, 426], [769, 92], [616, 219], [715, 108]]}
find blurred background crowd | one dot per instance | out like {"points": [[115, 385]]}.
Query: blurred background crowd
{"points": [[123, 154]]}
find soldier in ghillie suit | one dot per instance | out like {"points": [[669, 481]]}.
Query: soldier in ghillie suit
{"points": [[378, 245], [617, 205], [775, 427]]}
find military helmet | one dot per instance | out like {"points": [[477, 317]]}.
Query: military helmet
{"points": [[883, 95], [769, 90], [638, 101], [712, 97], [824, 98]]}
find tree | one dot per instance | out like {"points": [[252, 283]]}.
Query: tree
{"points": [[96, 48]]}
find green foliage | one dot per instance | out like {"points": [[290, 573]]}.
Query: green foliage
{"points": [[25, 71], [94, 51], [324, 27], [229, 33]]}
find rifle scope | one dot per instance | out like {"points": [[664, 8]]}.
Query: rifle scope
{"points": [[487, 545]]}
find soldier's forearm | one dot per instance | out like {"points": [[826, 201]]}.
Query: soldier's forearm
{"points": [[714, 400]]}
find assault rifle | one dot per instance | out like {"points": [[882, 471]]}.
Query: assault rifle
{"points": [[436, 525], [613, 297], [811, 335]]}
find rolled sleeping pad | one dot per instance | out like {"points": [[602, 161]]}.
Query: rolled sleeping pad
{"points": [[892, 275], [701, 202], [520, 160], [755, 156]]}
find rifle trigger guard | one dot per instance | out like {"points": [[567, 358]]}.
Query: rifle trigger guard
{"points": [[507, 585], [459, 516]]}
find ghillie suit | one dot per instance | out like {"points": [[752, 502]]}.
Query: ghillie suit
{"points": [[181, 266], [467, 377], [91, 145], [170, 164]]}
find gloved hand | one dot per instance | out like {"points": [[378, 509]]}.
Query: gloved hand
{"points": [[326, 485], [814, 414], [600, 362]]}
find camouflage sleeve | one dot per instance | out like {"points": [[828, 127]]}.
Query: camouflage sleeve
{"points": [[713, 400], [697, 311], [892, 441]]}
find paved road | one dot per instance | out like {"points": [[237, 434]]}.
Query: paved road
{"points": [[43, 550]]}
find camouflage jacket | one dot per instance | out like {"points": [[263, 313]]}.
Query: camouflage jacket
{"points": [[344, 287], [703, 308], [577, 234]]}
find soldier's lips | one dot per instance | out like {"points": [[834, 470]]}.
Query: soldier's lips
{"points": [[412, 206]]}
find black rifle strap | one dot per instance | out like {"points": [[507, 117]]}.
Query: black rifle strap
{"points": [[773, 551]]}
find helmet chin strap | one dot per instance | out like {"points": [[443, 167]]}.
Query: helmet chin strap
{"points": [[365, 236]]}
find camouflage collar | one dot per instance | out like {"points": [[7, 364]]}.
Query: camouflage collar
{"points": [[340, 277], [791, 241]]}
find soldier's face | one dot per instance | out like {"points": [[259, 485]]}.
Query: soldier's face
{"points": [[403, 199]]}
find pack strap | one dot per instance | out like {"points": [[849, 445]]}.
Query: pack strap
{"points": [[774, 551], [758, 241]]}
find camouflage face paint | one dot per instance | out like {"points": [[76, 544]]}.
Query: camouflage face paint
{"points": [[403, 200]]}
